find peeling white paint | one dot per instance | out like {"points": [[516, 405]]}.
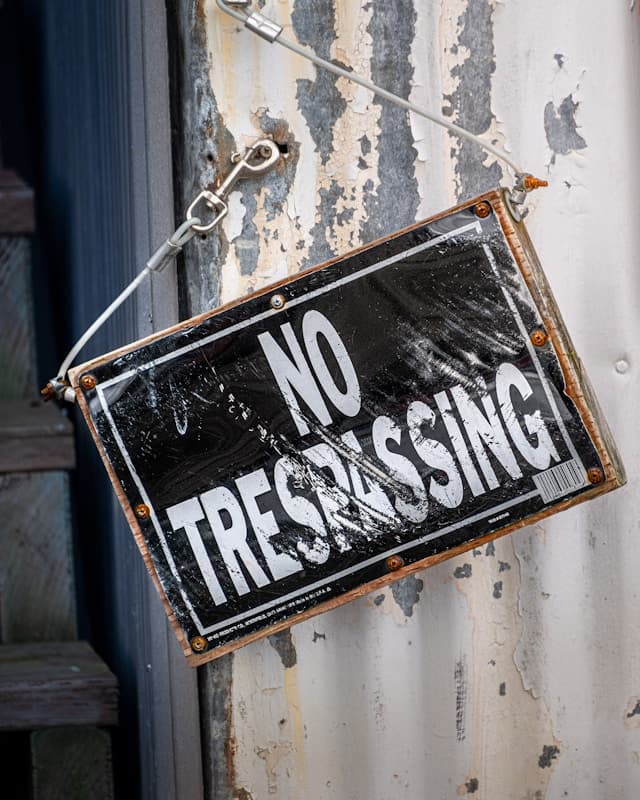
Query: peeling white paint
{"points": [[451, 56], [235, 59], [431, 142], [369, 709], [501, 765]]}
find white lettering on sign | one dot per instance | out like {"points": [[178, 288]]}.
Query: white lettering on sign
{"points": [[264, 523], [301, 511], [185, 516], [485, 432], [297, 377], [232, 540], [334, 493], [315, 324], [434, 454], [509, 377], [365, 488], [459, 445], [385, 430]]}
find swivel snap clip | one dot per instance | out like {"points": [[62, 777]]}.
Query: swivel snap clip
{"points": [[256, 160]]}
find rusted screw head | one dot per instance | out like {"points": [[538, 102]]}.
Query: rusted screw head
{"points": [[394, 563], [198, 644], [278, 302], [539, 337], [530, 183], [142, 512], [595, 475], [482, 210], [88, 381], [48, 392]]}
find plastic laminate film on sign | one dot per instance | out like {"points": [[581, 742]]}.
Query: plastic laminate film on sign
{"points": [[395, 405]]}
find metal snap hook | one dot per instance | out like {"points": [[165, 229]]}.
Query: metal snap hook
{"points": [[256, 160]]}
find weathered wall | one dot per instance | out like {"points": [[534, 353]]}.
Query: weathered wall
{"points": [[512, 672]]}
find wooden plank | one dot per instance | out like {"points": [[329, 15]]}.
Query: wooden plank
{"points": [[17, 214], [17, 352], [71, 764], [528, 498], [36, 573], [53, 684], [34, 436]]}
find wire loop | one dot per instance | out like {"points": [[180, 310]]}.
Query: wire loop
{"points": [[185, 232], [256, 160]]}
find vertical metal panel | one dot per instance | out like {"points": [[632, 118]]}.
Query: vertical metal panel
{"points": [[513, 671], [106, 202], [169, 733]]}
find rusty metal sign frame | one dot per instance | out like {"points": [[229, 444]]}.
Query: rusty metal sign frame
{"points": [[602, 476]]}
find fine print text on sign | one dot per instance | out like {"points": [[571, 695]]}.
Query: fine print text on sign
{"points": [[389, 409]]}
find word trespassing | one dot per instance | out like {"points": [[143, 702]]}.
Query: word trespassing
{"points": [[350, 487]]}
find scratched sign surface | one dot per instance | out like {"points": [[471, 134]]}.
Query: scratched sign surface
{"points": [[278, 455]]}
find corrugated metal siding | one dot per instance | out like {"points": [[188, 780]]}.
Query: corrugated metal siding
{"points": [[513, 671]]}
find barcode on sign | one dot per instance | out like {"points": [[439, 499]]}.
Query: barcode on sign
{"points": [[559, 481]]}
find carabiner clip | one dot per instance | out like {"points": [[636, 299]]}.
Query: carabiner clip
{"points": [[256, 160]]}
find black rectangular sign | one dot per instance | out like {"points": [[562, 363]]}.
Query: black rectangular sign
{"points": [[335, 431]]}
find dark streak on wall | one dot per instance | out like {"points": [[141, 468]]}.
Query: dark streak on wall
{"points": [[470, 103], [319, 100], [460, 676], [202, 146], [395, 202], [217, 733], [321, 249]]}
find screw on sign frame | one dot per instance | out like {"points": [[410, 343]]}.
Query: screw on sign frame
{"points": [[266, 453]]}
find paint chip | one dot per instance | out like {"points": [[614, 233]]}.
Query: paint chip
{"points": [[632, 713], [635, 711], [462, 572], [406, 593], [561, 128], [549, 754], [282, 643], [472, 785]]}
